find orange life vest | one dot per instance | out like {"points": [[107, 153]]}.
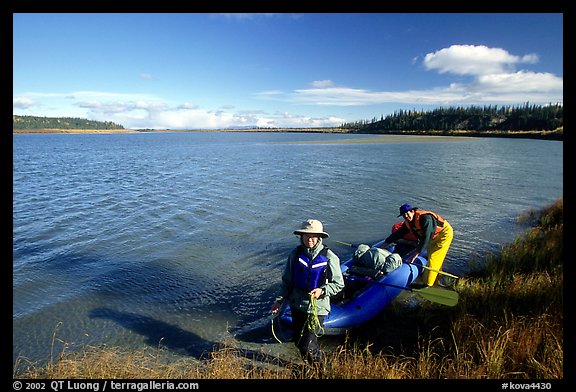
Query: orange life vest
{"points": [[409, 237], [416, 228]]}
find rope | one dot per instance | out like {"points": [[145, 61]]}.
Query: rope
{"points": [[274, 333], [312, 320]]}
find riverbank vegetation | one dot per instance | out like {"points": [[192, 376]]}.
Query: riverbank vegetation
{"points": [[452, 120], [60, 123], [508, 324]]}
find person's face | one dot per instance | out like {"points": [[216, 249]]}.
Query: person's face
{"points": [[310, 240], [408, 215]]}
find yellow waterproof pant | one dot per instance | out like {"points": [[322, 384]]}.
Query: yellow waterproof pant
{"points": [[437, 249]]}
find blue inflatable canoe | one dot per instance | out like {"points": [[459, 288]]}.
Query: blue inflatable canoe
{"points": [[365, 297]]}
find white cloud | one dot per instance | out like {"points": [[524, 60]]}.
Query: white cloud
{"points": [[23, 103], [474, 60], [206, 119], [512, 88], [155, 114], [521, 81]]}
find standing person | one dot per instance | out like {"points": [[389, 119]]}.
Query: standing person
{"points": [[311, 276], [433, 232]]}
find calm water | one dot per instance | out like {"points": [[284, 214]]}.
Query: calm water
{"points": [[131, 239]]}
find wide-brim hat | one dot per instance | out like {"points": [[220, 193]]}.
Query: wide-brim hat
{"points": [[312, 226], [405, 208]]}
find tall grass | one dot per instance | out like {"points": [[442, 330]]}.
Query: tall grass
{"points": [[507, 324]]}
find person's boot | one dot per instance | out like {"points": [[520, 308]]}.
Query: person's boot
{"points": [[315, 363]]}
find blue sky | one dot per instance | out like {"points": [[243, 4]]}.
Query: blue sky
{"points": [[211, 71]]}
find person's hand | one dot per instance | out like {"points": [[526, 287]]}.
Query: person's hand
{"points": [[317, 292], [275, 307]]}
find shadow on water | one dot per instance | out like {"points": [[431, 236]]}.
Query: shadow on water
{"points": [[159, 332], [238, 297], [180, 341]]}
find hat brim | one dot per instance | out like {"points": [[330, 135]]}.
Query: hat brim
{"points": [[412, 209], [322, 234]]}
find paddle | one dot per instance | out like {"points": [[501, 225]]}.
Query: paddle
{"points": [[423, 266], [433, 294]]}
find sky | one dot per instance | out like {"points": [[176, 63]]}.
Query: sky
{"points": [[217, 71]]}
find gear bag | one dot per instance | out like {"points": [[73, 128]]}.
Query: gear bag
{"points": [[377, 258]]}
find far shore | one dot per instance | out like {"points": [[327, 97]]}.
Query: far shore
{"points": [[400, 136], [96, 131], [76, 131]]}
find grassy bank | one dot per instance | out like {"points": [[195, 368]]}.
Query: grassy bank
{"points": [[508, 324]]}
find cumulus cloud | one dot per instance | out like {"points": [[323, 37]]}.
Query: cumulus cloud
{"points": [[156, 114], [197, 118], [474, 60], [522, 81], [23, 103]]}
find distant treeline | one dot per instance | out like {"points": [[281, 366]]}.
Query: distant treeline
{"points": [[487, 118], [34, 122]]}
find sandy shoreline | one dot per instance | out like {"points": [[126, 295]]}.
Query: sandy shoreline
{"points": [[431, 136], [388, 139], [367, 139], [97, 131], [76, 131]]}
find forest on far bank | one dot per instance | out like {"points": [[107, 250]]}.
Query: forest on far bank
{"points": [[37, 122], [473, 118]]}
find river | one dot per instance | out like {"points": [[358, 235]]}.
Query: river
{"points": [[180, 238]]}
